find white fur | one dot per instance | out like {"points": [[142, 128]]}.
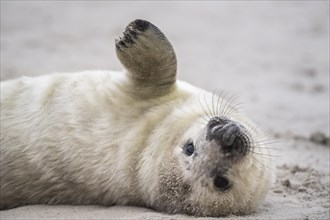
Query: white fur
{"points": [[81, 135], [82, 124]]}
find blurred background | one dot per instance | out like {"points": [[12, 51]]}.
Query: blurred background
{"points": [[273, 54]]}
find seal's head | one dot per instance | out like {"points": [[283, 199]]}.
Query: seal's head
{"points": [[219, 168], [211, 155]]}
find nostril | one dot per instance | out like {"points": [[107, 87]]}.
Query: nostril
{"points": [[214, 126], [215, 130], [215, 121], [224, 133], [229, 134], [221, 183]]}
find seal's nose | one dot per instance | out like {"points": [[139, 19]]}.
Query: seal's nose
{"points": [[231, 136]]}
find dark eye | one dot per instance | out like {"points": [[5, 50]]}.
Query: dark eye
{"points": [[189, 148], [221, 183]]}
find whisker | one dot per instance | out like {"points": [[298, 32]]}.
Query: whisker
{"points": [[229, 103], [213, 110], [235, 108], [261, 132], [200, 115], [268, 148], [222, 106], [207, 106], [217, 107], [266, 142], [264, 165], [253, 159], [265, 139], [203, 108], [202, 123], [261, 154]]}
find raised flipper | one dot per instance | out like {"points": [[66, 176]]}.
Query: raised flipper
{"points": [[148, 57]]}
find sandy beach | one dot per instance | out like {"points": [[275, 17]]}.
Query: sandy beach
{"points": [[273, 54]]}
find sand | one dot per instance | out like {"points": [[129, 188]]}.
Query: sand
{"points": [[273, 54]]}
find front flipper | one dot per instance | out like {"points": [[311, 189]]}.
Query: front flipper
{"points": [[148, 57]]}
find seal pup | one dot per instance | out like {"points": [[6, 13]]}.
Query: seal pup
{"points": [[138, 137]]}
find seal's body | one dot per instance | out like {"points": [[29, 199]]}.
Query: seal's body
{"points": [[135, 138]]}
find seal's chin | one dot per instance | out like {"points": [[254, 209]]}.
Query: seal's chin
{"points": [[231, 137]]}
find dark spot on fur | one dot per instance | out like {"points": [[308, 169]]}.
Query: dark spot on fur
{"points": [[186, 188], [118, 47], [141, 25], [128, 39], [133, 34], [122, 43], [214, 172], [204, 184]]}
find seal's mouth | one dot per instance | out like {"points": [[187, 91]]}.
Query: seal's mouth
{"points": [[231, 137]]}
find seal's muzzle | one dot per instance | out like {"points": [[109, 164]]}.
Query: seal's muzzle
{"points": [[231, 136]]}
